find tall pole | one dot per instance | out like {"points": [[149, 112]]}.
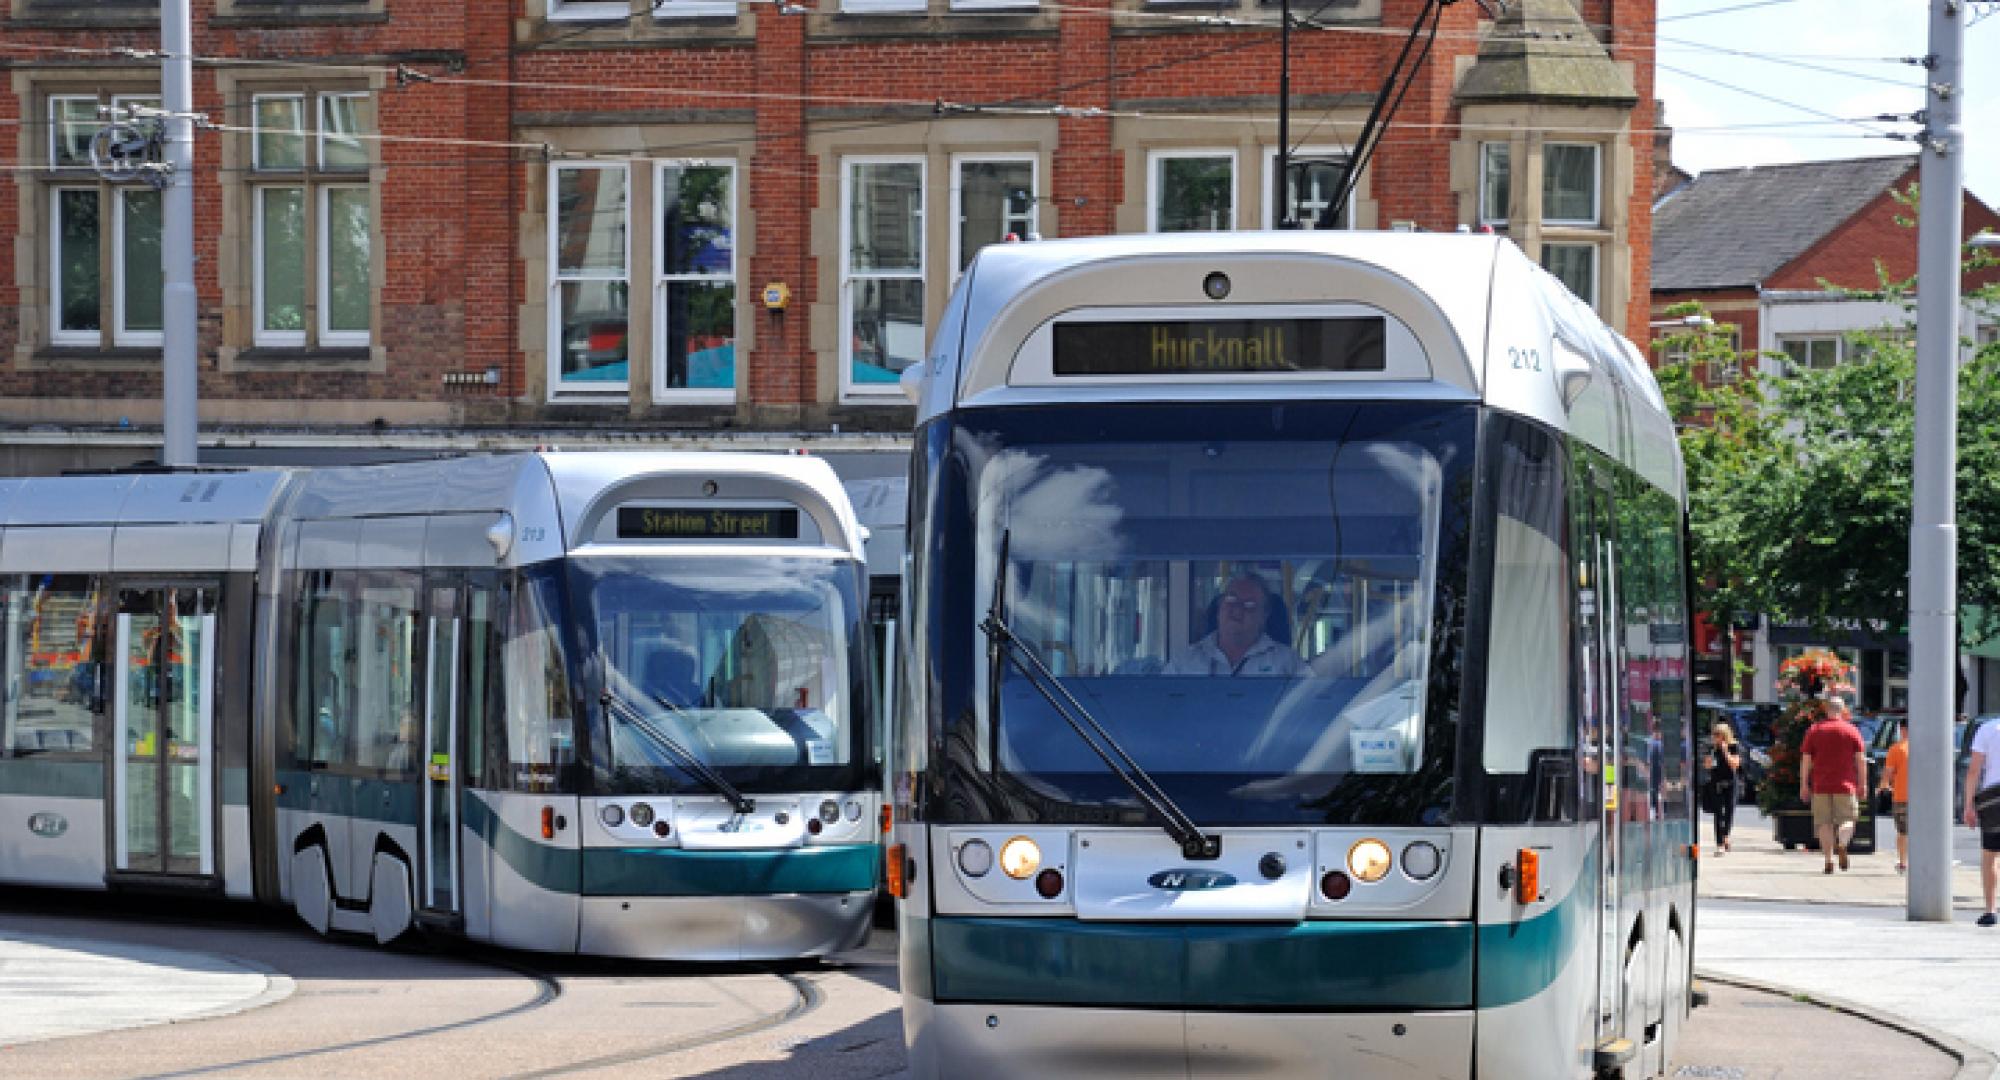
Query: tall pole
{"points": [[1281, 207], [1933, 523], [177, 407]]}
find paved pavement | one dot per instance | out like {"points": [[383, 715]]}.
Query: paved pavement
{"points": [[1773, 917], [54, 987]]}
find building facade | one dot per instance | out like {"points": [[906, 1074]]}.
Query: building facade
{"points": [[431, 227], [1775, 255]]}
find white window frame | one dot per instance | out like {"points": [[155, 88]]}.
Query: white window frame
{"points": [[323, 286], [883, 7], [57, 335], [1596, 266], [1596, 217], [958, 202], [283, 339], [55, 125], [995, 5], [1839, 350], [589, 10], [119, 334], [1269, 201], [1486, 214], [118, 103], [849, 390], [306, 116], [557, 279], [669, 10], [661, 280], [320, 105], [1155, 162]]}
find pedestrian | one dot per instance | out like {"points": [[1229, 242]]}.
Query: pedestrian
{"points": [[1982, 808], [1833, 766], [1724, 762], [1896, 781]]}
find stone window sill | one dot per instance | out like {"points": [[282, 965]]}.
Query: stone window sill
{"points": [[82, 356], [283, 358]]}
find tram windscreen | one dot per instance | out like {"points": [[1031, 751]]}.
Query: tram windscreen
{"points": [[1246, 597], [752, 664]]}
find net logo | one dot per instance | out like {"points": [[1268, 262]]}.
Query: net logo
{"points": [[48, 825], [1190, 880]]}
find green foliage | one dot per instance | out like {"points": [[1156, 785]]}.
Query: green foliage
{"points": [[1799, 486]]}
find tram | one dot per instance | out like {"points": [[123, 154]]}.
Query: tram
{"points": [[614, 704], [1295, 676]]}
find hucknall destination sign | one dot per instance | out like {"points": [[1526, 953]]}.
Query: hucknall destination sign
{"points": [[1220, 346]]}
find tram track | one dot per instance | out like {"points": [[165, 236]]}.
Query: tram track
{"points": [[807, 998]]}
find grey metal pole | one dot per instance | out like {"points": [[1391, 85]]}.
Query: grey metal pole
{"points": [[1281, 207], [1933, 523], [178, 411]]}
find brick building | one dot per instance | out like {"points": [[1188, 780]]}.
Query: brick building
{"points": [[1772, 253], [433, 226]]}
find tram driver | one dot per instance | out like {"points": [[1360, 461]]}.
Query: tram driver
{"points": [[1239, 644]]}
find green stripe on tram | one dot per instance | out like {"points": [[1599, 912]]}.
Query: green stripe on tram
{"points": [[1372, 965], [52, 779]]}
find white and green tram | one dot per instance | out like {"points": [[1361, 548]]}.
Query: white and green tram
{"points": [[615, 704], [1295, 676]]}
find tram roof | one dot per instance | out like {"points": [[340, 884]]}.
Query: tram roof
{"points": [[1467, 298]]}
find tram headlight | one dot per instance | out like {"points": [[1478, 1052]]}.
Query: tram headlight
{"points": [[642, 814], [975, 857], [829, 812], [612, 815], [1369, 860], [1421, 860], [1020, 858]]}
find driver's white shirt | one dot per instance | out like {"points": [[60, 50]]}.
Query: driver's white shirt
{"points": [[1265, 657]]}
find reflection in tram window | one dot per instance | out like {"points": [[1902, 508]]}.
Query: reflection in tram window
{"points": [[1284, 580], [539, 731], [385, 687], [323, 676], [54, 662], [750, 664]]}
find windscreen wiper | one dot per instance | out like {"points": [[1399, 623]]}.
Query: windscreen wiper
{"points": [[689, 761], [1003, 646]]}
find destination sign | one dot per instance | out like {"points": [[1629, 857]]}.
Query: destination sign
{"points": [[705, 523], [1220, 346]]}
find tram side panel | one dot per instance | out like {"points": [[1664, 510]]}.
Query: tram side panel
{"points": [[55, 752]]}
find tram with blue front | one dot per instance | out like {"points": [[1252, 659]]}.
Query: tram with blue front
{"points": [[1294, 673], [615, 704]]}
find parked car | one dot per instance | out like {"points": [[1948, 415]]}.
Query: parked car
{"points": [[1754, 723]]}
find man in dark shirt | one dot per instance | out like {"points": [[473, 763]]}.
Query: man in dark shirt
{"points": [[1833, 766]]}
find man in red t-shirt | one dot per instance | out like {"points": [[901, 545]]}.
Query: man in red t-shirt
{"points": [[1833, 766]]}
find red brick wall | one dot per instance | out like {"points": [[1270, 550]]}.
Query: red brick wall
{"points": [[455, 282], [1847, 256], [1632, 24]]}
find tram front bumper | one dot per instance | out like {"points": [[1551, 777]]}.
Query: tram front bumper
{"points": [[973, 1041], [725, 928]]}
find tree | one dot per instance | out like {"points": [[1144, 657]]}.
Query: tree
{"points": [[1799, 486]]}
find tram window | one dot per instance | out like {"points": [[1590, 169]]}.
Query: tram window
{"points": [[750, 662], [1283, 585], [324, 667], [539, 730], [479, 670], [385, 678], [54, 657], [1527, 663]]}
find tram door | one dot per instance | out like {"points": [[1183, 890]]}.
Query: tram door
{"points": [[163, 713], [442, 776], [1602, 734]]}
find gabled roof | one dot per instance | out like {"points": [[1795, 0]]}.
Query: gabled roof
{"points": [[1733, 228]]}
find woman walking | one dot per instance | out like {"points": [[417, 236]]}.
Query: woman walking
{"points": [[1724, 759]]}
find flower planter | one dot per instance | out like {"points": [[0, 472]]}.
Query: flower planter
{"points": [[1793, 828]]}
